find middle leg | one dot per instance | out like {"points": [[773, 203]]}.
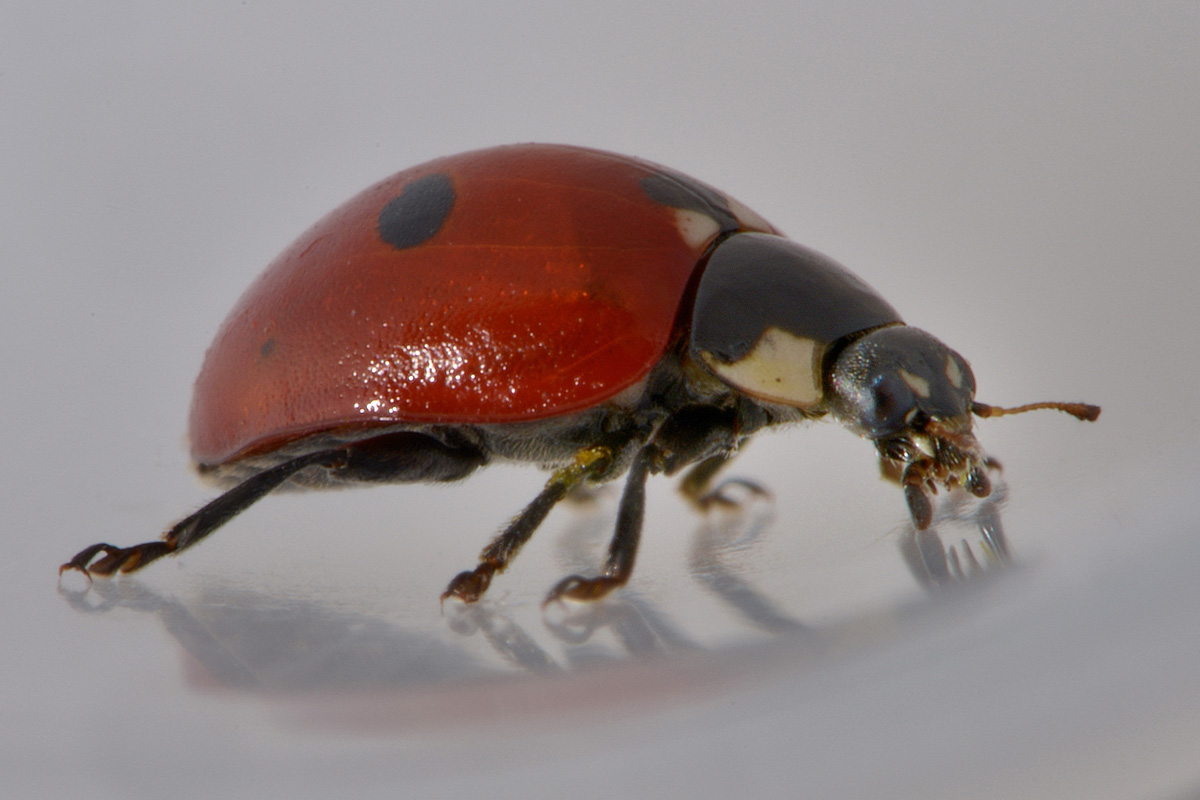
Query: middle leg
{"points": [[590, 462]]}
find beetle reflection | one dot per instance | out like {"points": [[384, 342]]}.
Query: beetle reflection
{"points": [[246, 640]]}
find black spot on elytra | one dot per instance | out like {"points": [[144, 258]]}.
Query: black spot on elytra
{"points": [[417, 213], [676, 190], [267, 348]]}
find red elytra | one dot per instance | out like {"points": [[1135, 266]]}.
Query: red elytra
{"points": [[553, 286]]}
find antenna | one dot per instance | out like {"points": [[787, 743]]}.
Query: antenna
{"points": [[1082, 411]]}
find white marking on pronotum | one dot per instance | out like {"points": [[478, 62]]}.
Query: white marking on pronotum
{"points": [[782, 367]]}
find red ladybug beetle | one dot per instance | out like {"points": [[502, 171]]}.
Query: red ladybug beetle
{"points": [[591, 313]]}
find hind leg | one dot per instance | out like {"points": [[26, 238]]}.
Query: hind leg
{"points": [[399, 458]]}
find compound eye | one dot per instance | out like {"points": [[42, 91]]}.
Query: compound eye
{"points": [[892, 401]]}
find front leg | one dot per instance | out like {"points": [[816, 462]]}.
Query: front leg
{"points": [[698, 487], [706, 438]]}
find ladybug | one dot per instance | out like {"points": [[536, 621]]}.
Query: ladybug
{"points": [[591, 313]]}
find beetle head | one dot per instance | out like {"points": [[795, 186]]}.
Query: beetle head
{"points": [[914, 397], [894, 381]]}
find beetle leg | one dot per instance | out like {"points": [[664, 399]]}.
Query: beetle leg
{"points": [[195, 527], [705, 437], [697, 481], [404, 457], [622, 550], [469, 586], [917, 486], [697, 485]]}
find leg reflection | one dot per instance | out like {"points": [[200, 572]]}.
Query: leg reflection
{"points": [[935, 565]]}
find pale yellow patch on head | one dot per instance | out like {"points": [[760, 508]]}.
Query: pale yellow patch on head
{"points": [[782, 368], [954, 373], [919, 385], [696, 229]]}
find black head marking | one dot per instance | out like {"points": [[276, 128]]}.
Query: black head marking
{"points": [[679, 191], [417, 213]]}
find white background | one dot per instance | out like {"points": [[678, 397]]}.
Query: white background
{"points": [[1023, 181]]}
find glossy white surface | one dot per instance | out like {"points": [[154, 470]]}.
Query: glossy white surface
{"points": [[1022, 183]]}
